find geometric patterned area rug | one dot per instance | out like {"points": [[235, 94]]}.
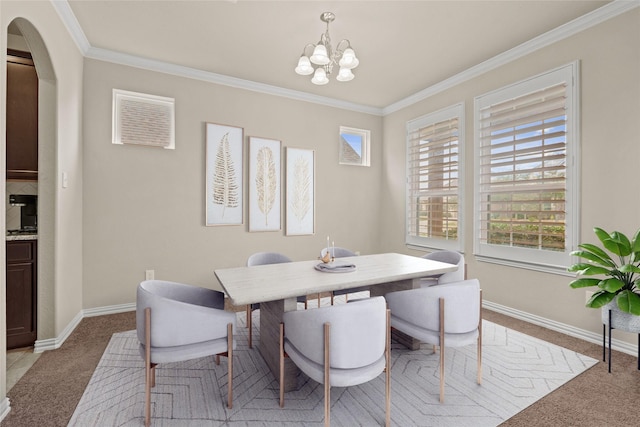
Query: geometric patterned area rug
{"points": [[517, 371]]}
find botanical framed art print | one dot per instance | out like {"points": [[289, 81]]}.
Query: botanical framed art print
{"points": [[224, 186], [264, 184], [300, 197]]}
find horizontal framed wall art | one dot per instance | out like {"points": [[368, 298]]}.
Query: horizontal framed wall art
{"points": [[300, 194], [264, 184], [354, 146], [224, 172]]}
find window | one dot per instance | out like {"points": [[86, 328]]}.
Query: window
{"points": [[526, 177], [143, 119], [434, 181]]}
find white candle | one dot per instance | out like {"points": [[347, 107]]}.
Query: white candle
{"points": [[333, 249], [327, 244]]}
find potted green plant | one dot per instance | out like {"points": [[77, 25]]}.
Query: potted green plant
{"points": [[619, 261]]}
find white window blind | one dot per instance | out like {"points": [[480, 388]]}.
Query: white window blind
{"points": [[143, 119], [433, 179], [524, 142]]}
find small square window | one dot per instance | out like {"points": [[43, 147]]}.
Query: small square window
{"points": [[354, 146]]}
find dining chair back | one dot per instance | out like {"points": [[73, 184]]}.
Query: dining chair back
{"points": [[445, 316], [450, 257], [264, 258], [177, 322], [338, 346]]}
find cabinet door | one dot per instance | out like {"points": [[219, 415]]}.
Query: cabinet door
{"points": [[22, 119], [21, 294]]}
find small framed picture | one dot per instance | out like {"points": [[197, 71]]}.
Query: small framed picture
{"points": [[300, 194], [354, 146], [264, 184], [224, 185]]}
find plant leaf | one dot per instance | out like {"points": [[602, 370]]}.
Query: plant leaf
{"points": [[587, 269], [629, 302], [618, 243], [611, 285], [584, 283], [591, 256], [601, 234], [635, 243], [600, 299], [629, 268]]}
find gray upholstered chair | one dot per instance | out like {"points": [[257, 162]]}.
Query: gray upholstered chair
{"points": [[340, 346], [450, 257], [177, 322], [445, 316], [338, 252], [263, 258]]}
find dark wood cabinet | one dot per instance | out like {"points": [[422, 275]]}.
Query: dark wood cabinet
{"points": [[21, 293], [22, 117]]}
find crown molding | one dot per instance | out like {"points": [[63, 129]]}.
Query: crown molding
{"points": [[73, 26], [604, 13], [608, 11], [192, 73]]}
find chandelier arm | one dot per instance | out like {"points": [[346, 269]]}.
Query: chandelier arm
{"points": [[340, 51], [304, 49]]}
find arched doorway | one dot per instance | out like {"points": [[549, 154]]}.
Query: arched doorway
{"points": [[22, 34]]}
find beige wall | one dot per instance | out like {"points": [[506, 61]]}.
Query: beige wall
{"points": [[144, 207], [59, 66], [609, 55]]}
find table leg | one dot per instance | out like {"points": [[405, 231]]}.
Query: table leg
{"points": [[270, 318], [382, 289]]}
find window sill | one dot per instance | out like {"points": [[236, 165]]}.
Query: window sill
{"points": [[542, 268]]}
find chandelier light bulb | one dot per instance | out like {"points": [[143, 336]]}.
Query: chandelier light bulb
{"points": [[319, 56], [320, 77], [344, 75], [304, 67], [349, 59]]}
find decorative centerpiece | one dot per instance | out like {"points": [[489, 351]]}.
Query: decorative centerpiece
{"points": [[619, 291]]}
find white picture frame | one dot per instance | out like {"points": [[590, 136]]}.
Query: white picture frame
{"points": [[264, 184], [224, 175], [300, 192]]}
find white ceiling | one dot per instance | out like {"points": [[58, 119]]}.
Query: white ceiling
{"points": [[403, 46]]}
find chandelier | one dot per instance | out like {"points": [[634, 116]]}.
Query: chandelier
{"points": [[323, 57]]}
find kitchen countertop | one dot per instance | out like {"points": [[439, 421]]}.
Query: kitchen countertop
{"points": [[12, 237]]}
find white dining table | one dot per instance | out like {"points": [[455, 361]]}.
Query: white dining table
{"points": [[277, 286]]}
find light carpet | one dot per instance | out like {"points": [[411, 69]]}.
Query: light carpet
{"points": [[517, 371]]}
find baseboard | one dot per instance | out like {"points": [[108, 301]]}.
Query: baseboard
{"points": [[5, 408], [112, 309], [572, 331], [54, 343]]}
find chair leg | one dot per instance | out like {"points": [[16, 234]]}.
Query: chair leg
{"points": [[230, 365], [327, 380], [387, 368], [147, 366], [250, 325], [480, 343], [441, 350], [281, 376]]}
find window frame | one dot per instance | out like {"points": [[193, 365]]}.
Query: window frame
{"points": [[435, 243], [536, 259]]}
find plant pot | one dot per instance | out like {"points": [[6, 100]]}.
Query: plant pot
{"points": [[620, 319]]}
